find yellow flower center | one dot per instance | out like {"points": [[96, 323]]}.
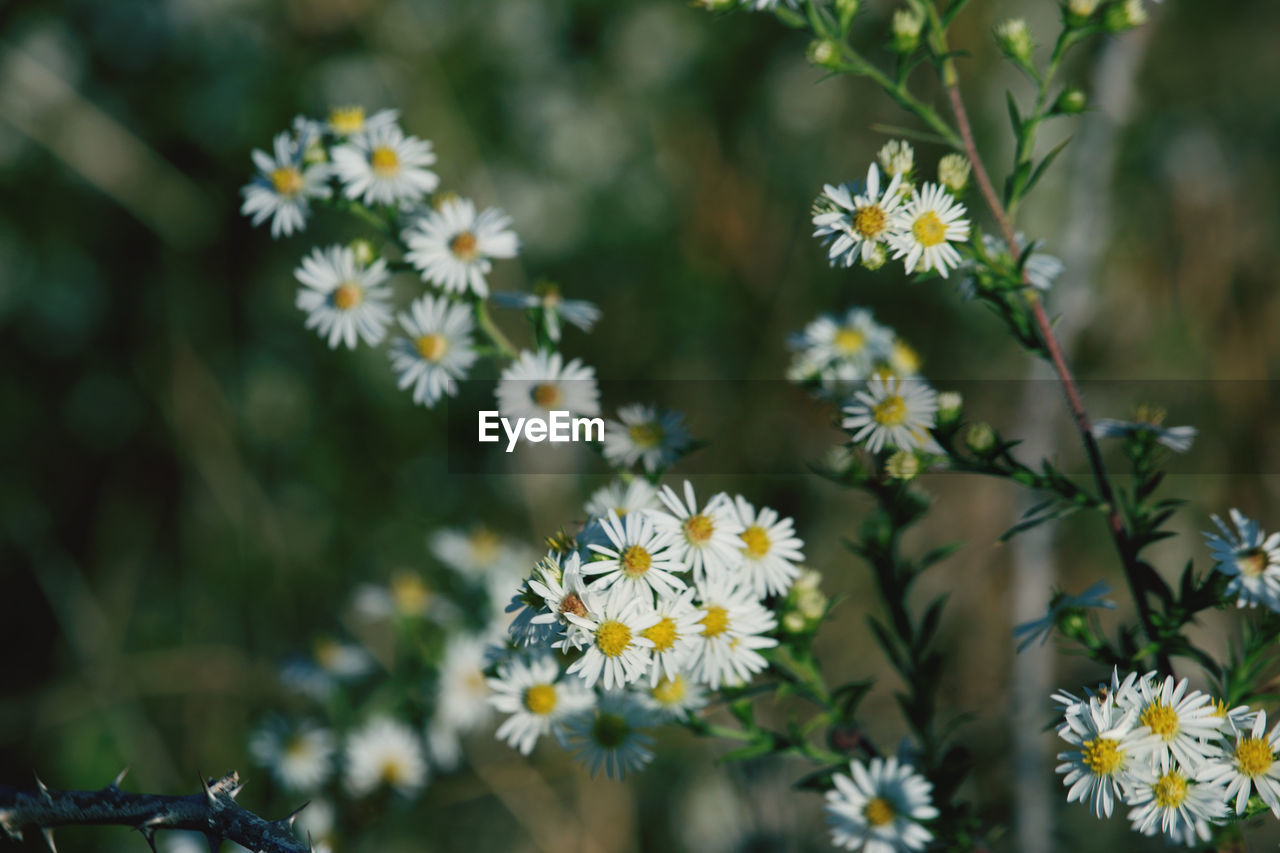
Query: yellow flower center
{"points": [[905, 358], [610, 731], [432, 347], [1170, 790], [348, 296], [698, 529], [485, 545], [328, 653], [540, 699], [346, 120], [612, 638], [878, 811], [1161, 719], [546, 395], [756, 541], [716, 622], [409, 593], [850, 341], [663, 634], [1254, 756], [646, 435], [463, 245], [928, 229], [297, 747], [635, 561], [287, 181], [891, 411], [1102, 756], [1253, 562], [1219, 708], [393, 772], [669, 691], [384, 161], [870, 221]]}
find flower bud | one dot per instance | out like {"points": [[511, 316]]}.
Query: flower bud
{"points": [[1015, 40], [811, 604], [1079, 11], [953, 172], [877, 257], [364, 252], [980, 438], [824, 53], [794, 623], [716, 5], [907, 24], [949, 405], [846, 9], [902, 465], [1126, 16], [897, 157], [1071, 102]]}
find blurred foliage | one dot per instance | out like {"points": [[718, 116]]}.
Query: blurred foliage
{"points": [[193, 483]]}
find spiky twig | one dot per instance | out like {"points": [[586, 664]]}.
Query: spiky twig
{"points": [[213, 812]]}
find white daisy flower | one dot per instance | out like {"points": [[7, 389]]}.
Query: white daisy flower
{"points": [[622, 497], [438, 350], [852, 344], [1234, 720], [612, 736], [553, 307], [300, 759], [879, 807], [478, 553], [563, 590], [672, 635], [1168, 800], [351, 120], [647, 435], [452, 246], [1250, 557], [673, 698], [639, 562], [1108, 748], [1095, 597], [383, 166], [926, 228], [1178, 439], [405, 595], [1250, 765], [618, 653], [538, 383], [733, 623], [706, 539], [893, 412], [384, 751], [461, 698], [1179, 721], [284, 186], [771, 551], [855, 225], [331, 663], [343, 298], [538, 701]]}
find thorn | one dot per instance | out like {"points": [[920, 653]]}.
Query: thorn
{"points": [[208, 794], [293, 815], [8, 822], [149, 834], [115, 785], [48, 839], [310, 846], [44, 791], [215, 841], [235, 791]]}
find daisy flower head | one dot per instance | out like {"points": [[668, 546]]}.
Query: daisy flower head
{"points": [[645, 435], [706, 538], [618, 652], [672, 699], [461, 698], [1170, 800], [345, 121], [1063, 606], [344, 299], [734, 625], [622, 497], [672, 635], [284, 186], [552, 307], [384, 752], [1107, 749], [437, 350], [538, 383], [879, 807], [381, 165], [853, 226], [453, 247], [845, 348], [927, 226], [893, 412], [1179, 439], [897, 158], [1250, 557], [1250, 766], [538, 701], [478, 553], [639, 561], [300, 758], [771, 551], [404, 595], [1178, 721], [612, 736], [563, 590]]}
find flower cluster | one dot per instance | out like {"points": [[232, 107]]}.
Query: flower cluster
{"points": [[1182, 761], [1250, 558], [659, 598]]}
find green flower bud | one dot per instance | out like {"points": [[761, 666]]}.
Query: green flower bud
{"points": [[949, 405], [953, 172], [1126, 16], [897, 157], [794, 623], [846, 9], [364, 252], [902, 465], [1071, 102], [824, 53], [907, 24], [1015, 40], [811, 604], [876, 259], [1079, 11], [980, 438]]}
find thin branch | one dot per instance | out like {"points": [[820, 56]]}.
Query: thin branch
{"points": [[213, 812]]}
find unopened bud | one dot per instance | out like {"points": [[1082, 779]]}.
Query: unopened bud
{"points": [[364, 252], [1079, 11], [896, 157], [794, 622], [907, 24], [953, 172], [824, 53], [1015, 40], [846, 9], [949, 405], [1071, 102], [1126, 16], [980, 438], [902, 465], [876, 258]]}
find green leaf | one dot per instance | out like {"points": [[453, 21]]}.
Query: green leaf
{"points": [[1015, 118], [1045, 163]]}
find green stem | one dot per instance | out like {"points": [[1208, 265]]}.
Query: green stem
{"points": [[500, 341]]}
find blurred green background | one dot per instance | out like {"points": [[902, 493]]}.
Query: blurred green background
{"points": [[192, 483]]}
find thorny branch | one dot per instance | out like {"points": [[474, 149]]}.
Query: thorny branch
{"points": [[213, 812]]}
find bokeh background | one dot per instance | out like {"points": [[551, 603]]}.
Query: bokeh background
{"points": [[192, 483]]}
